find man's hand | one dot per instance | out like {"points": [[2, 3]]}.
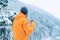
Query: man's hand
{"points": [[31, 20]]}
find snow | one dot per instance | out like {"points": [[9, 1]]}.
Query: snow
{"points": [[51, 6]]}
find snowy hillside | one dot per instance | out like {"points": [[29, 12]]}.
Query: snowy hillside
{"points": [[47, 26]]}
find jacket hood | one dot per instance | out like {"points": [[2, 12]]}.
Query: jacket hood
{"points": [[19, 16]]}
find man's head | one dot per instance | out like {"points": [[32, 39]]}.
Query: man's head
{"points": [[24, 10]]}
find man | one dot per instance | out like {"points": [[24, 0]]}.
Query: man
{"points": [[21, 27]]}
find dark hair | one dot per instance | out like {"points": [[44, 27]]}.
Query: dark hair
{"points": [[24, 10]]}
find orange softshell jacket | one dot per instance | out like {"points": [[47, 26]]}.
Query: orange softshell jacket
{"points": [[21, 28]]}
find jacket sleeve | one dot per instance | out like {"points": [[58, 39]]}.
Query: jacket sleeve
{"points": [[28, 27]]}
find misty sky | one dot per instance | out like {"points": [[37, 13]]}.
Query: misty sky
{"points": [[51, 6]]}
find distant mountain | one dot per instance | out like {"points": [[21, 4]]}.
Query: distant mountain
{"points": [[47, 26]]}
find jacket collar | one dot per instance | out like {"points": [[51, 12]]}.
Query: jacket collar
{"points": [[20, 15]]}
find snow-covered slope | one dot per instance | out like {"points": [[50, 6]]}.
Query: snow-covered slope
{"points": [[47, 26]]}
